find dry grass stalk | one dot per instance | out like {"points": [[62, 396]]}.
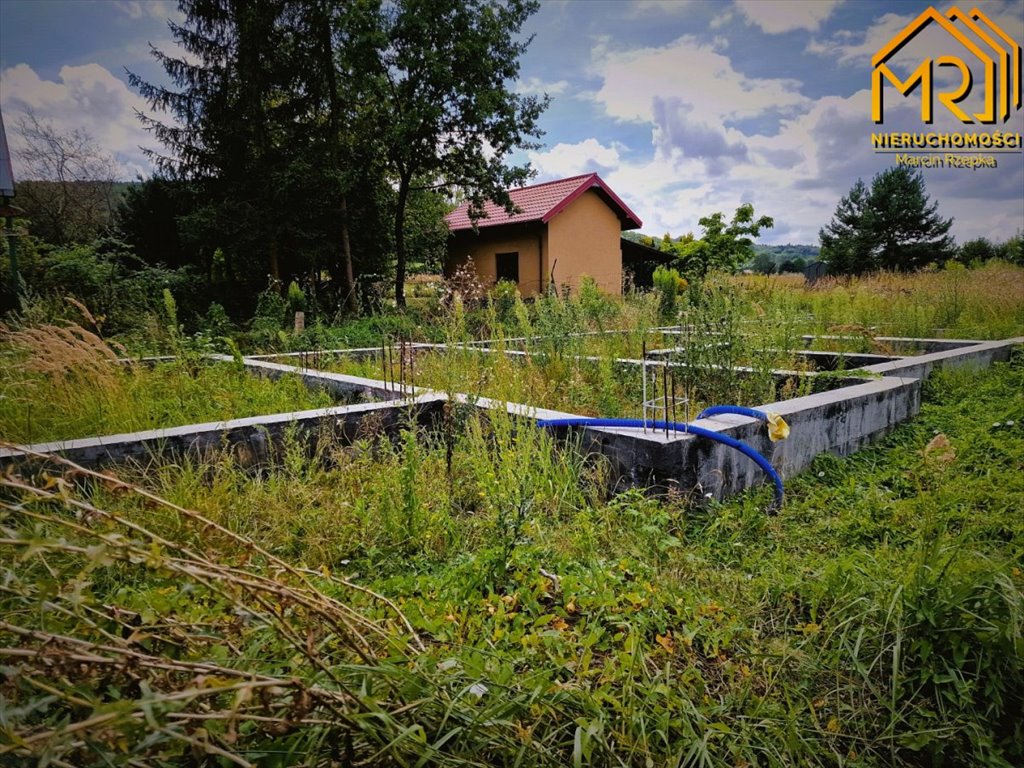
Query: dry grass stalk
{"points": [[57, 351], [264, 593]]}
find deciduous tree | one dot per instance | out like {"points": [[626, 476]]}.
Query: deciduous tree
{"points": [[68, 183], [723, 246], [448, 108], [764, 264]]}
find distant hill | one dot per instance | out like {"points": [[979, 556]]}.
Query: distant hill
{"points": [[786, 258], [788, 252]]}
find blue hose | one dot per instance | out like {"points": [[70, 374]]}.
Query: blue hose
{"points": [[718, 437], [739, 410]]}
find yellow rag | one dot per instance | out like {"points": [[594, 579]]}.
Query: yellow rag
{"points": [[778, 429]]}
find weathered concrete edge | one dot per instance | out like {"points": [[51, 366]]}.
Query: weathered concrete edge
{"points": [[930, 345], [340, 351], [981, 354], [839, 422], [337, 383], [251, 438], [326, 379]]}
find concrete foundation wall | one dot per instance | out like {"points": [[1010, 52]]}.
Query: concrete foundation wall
{"points": [[252, 441], [340, 385], [977, 355], [840, 421]]}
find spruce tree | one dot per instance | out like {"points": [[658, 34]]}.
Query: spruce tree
{"points": [[221, 138]]}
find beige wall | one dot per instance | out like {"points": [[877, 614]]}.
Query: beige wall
{"points": [[483, 249], [584, 238]]}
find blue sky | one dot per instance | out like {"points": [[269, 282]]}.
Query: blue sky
{"points": [[685, 107]]}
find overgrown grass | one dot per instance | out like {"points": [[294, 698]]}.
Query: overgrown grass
{"points": [[876, 621], [982, 303], [59, 382], [579, 355]]}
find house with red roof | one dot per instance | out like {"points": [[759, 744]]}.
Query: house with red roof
{"points": [[562, 230]]}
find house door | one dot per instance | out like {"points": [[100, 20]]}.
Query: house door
{"points": [[507, 266]]}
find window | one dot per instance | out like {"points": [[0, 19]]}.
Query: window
{"points": [[507, 265]]}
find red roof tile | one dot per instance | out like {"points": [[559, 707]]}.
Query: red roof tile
{"points": [[542, 202]]}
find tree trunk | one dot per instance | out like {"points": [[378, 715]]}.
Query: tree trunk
{"points": [[334, 117], [346, 253], [275, 266], [403, 198]]}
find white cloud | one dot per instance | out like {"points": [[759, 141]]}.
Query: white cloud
{"points": [[846, 47], [796, 175], [703, 159], [857, 48], [534, 86], [632, 80], [573, 159], [658, 6], [133, 8], [777, 16], [87, 98], [157, 9], [721, 20]]}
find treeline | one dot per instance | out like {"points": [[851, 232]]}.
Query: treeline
{"points": [[782, 259], [318, 143]]}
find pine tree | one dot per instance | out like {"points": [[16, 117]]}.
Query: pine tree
{"points": [[846, 242], [909, 233], [892, 226]]}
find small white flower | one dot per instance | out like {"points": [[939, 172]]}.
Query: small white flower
{"points": [[997, 424], [821, 474], [1009, 423], [478, 689]]}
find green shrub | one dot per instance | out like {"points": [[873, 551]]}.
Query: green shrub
{"points": [[216, 321], [503, 299], [271, 311], [118, 290], [668, 283], [296, 298], [597, 306]]}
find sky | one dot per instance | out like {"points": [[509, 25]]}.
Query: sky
{"points": [[684, 107]]}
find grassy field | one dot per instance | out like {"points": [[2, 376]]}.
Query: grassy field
{"points": [[982, 303], [590, 387], [478, 595], [876, 621], [62, 382]]}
